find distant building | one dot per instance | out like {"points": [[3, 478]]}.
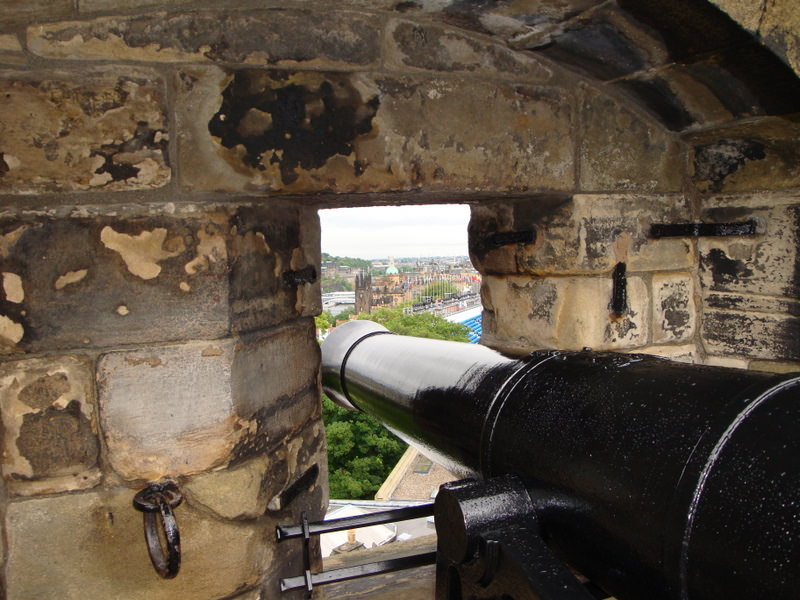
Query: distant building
{"points": [[414, 477]]}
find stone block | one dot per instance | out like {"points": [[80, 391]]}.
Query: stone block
{"points": [[621, 151], [329, 40], [98, 282], [289, 479], [105, 129], [674, 312], [567, 313], [581, 234], [184, 409], [765, 264], [91, 545], [105, 281], [756, 155], [774, 366], [427, 47], [381, 133], [725, 361], [235, 493], [50, 440], [751, 335]]}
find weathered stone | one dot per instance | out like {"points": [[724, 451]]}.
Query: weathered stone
{"points": [[168, 411], [50, 440], [269, 37], [780, 28], [306, 486], [9, 43], [747, 13], [686, 353], [91, 6], [582, 234], [20, 11], [726, 361], [106, 281], [387, 133], [428, 47], [757, 155], [751, 335], [568, 313], [90, 545], [754, 302], [99, 130], [268, 243], [774, 366], [764, 264], [673, 308], [103, 281], [176, 410], [621, 151], [234, 493]]}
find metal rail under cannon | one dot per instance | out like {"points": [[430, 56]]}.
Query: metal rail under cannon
{"points": [[588, 474]]}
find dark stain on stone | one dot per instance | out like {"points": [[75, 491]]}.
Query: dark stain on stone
{"points": [[597, 48], [406, 6], [675, 309], [753, 335], [714, 162], [795, 283], [44, 391], [292, 125], [143, 139], [543, 300], [657, 96], [4, 168], [725, 270], [55, 440]]}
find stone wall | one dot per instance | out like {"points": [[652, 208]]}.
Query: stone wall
{"points": [[160, 169]]}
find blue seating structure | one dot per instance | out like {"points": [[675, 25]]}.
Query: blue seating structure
{"points": [[475, 328]]}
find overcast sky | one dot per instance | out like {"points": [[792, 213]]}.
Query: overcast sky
{"points": [[397, 231]]}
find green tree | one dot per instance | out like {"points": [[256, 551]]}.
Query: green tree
{"points": [[421, 324], [344, 315], [324, 321], [361, 452]]}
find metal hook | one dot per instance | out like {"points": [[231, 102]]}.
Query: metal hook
{"points": [[158, 499]]}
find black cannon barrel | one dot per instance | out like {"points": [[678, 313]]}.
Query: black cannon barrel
{"points": [[659, 480]]}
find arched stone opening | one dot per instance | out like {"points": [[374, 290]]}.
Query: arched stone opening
{"points": [[160, 169]]}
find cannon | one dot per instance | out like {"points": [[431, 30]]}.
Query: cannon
{"points": [[589, 474]]}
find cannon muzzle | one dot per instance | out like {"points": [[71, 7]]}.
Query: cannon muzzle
{"points": [[652, 478]]}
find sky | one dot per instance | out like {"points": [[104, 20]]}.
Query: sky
{"points": [[398, 231]]}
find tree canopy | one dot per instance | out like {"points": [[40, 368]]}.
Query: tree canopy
{"points": [[361, 452]]}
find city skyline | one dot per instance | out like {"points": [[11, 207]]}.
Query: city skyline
{"points": [[378, 232]]}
